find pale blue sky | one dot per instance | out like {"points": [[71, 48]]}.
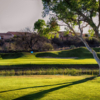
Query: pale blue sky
{"points": [[15, 15]]}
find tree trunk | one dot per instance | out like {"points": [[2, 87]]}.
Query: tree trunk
{"points": [[93, 52], [99, 70], [96, 32]]}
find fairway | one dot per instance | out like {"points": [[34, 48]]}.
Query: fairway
{"points": [[50, 87], [49, 61], [51, 57]]}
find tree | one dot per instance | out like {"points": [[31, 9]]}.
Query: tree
{"points": [[28, 41], [48, 30], [25, 41], [77, 12], [53, 28], [39, 25]]}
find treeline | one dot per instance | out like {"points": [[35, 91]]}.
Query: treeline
{"points": [[28, 42]]}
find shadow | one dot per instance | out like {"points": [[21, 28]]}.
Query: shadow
{"points": [[32, 87], [11, 55], [48, 66], [41, 94], [77, 53], [46, 54]]}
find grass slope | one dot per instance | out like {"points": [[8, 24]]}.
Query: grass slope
{"points": [[50, 88], [84, 57], [78, 52]]}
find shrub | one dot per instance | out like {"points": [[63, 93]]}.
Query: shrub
{"points": [[40, 72], [47, 46], [19, 72], [12, 72], [3, 72], [1, 42], [8, 72], [33, 72], [60, 71], [55, 71], [72, 47], [57, 41], [86, 35], [28, 72], [93, 42], [49, 71]]}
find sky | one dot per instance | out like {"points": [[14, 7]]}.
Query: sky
{"points": [[16, 15]]}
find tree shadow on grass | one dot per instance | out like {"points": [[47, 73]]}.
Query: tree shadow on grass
{"points": [[67, 53], [41, 94], [11, 55], [32, 87]]}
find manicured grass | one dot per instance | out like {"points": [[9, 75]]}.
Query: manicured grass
{"points": [[78, 52], [49, 61], [50, 88], [84, 57]]}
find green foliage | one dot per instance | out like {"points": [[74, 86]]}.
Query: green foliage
{"points": [[91, 33], [50, 30], [69, 10], [15, 36], [72, 47], [47, 46], [39, 25], [50, 71], [66, 32], [86, 35], [92, 41], [20, 72], [53, 25]]}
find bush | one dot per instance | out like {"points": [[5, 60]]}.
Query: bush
{"points": [[51, 71], [93, 42], [28, 72], [86, 35], [72, 47], [19, 72], [47, 46], [1, 42], [57, 41]]}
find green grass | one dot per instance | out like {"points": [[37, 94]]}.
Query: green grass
{"points": [[84, 57], [78, 52], [50, 71], [49, 61], [50, 88]]}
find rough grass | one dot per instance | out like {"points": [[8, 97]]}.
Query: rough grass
{"points": [[51, 71], [50, 88], [21, 58]]}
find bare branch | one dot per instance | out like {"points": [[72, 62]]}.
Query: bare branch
{"points": [[99, 14], [85, 26], [81, 29]]}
